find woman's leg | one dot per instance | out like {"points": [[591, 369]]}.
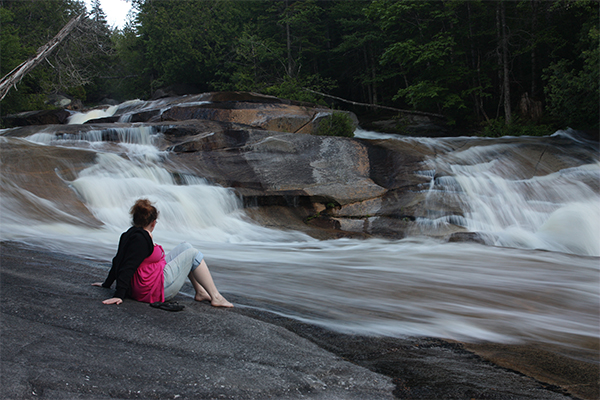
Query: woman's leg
{"points": [[179, 264], [180, 248], [184, 261], [201, 276], [201, 293]]}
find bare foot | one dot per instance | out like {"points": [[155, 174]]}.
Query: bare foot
{"points": [[202, 297], [220, 301]]}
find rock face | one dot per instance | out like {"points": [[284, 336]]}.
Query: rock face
{"points": [[44, 173], [45, 117], [258, 111], [266, 149], [311, 174], [344, 186], [275, 117]]}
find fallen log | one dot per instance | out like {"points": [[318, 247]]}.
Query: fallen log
{"points": [[13, 77], [428, 114]]}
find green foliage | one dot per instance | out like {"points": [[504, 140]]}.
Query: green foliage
{"points": [[498, 127], [573, 93], [77, 92], [12, 49], [186, 42], [25, 27], [294, 89], [436, 56], [336, 124], [428, 54]]}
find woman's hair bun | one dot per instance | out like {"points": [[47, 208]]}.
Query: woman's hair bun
{"points": [[143, 213]]}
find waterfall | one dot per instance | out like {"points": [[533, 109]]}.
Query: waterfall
{"points": [[415, 286], [126, 109], [501, 198], [133, 135], [128, 167], [190, 209], [557, 212], [82, 118]]}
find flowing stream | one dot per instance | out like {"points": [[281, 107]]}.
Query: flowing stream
{"points": [[536, 281]]}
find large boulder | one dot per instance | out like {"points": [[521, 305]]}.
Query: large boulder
{"points": [[266, 164], [58, 100], [270, 116], [335, 184], [43, 117], [252, 109]]}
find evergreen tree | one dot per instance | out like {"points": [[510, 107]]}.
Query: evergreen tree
{"points": [[573, 90], [472, 60]]}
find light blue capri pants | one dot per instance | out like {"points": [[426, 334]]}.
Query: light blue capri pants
{"points": [[182, 260]]}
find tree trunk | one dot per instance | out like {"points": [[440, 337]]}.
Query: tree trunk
{"points": [[290, 66], [505, 69], [533, 52], [476, 65], [499, 59], [373, 75], [13, 77], [367, 67]]}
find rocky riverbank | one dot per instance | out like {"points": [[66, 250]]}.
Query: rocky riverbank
{"points": [[269, 151], [60, 341]]}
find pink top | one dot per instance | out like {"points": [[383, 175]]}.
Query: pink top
{"points": [[147, 284]]}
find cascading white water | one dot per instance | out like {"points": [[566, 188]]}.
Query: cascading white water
{"points": [[142, 135], [189, 211], [524, 212], [81, 118], [127, 109], [408, 287], [192, 211], [556, 212]]}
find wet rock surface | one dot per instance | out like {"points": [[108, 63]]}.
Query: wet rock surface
{"points": [[263, 148], [60, 341], [44, 117], [44, 172]]}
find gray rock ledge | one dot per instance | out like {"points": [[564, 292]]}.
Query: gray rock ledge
{"points": [[59, 341]]}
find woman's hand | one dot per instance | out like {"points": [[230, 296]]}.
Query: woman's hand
{"points": [[113, 300]]}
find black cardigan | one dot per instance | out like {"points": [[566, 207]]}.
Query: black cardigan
{"points": [[135, 245]]}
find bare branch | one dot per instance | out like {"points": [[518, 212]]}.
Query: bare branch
{"points": [[15, 76]]}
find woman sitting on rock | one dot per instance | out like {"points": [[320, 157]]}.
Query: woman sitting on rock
{"points": [[143, 271]]}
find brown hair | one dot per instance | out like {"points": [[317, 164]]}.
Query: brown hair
{"points": [[143, 213]]}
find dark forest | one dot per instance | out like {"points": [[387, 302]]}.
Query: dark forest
{"points": [[492, 67]]}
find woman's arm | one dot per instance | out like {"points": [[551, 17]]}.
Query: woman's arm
{"points": [[113, 300], [112, 274], [134, 247], [138, 248]]}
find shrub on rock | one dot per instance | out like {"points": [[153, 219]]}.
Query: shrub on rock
{"points": [[336, 124]]}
